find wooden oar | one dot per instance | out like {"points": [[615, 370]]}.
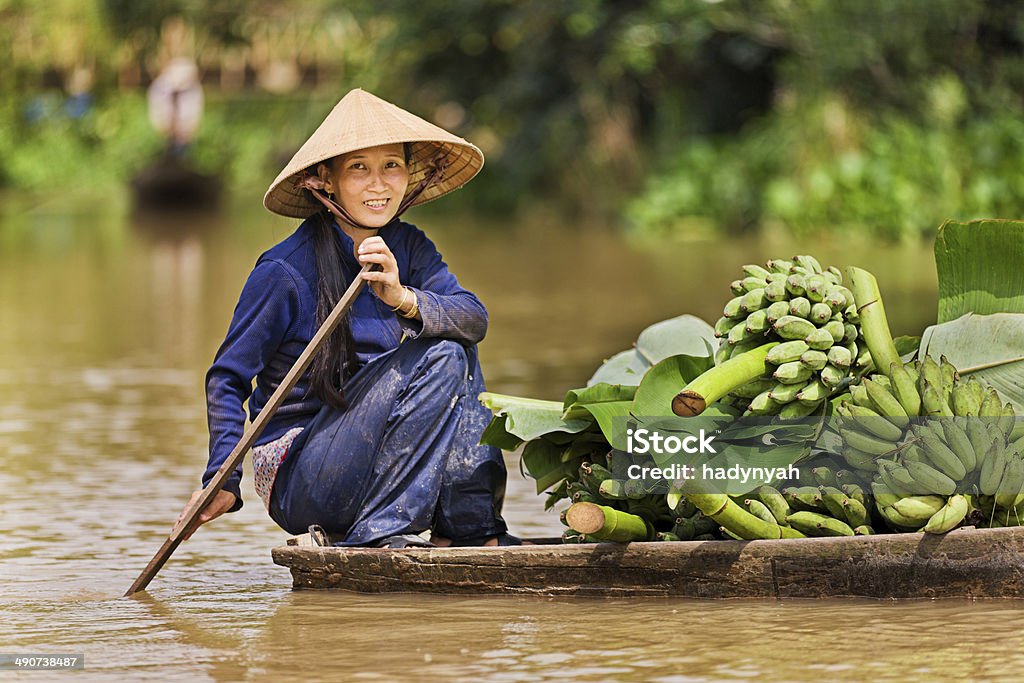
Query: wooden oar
{"points": [[253, 431]]}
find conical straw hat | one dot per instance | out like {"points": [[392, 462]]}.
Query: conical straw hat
{"points": [[363, 120]]}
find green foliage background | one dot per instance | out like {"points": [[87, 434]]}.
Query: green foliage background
{"points": [[682, 116]]}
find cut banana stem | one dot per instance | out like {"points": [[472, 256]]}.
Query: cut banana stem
{"points": [[606, 524], [720, 380]]}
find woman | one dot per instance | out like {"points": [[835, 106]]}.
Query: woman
{"points": [[379, 440]]}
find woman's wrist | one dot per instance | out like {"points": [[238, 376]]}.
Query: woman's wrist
{"points": [[414, 306], [408, 305]]}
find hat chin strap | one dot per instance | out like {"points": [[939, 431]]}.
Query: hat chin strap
{"points": [[315, 185]]}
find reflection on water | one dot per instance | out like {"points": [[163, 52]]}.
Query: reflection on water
{"points": [[106, 330]]}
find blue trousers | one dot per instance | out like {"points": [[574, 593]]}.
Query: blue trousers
{"points": [[402, 458]]}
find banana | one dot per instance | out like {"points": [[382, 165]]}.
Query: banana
{"points": [[980, 438], [863, 360], [780, 265], [775, 291], [897, 520], [964, 400], [757, 322], [992, 468], [763, 404], [792, 327], [836, 299], [863, 530], [792, 373], [824, 476], [886, 404], [913, 453], [776, 311], [1007, 419], [784, 393], [722, 354], [855, 492], [808, 262], [813, 393], [883, 496], [753, 300], [819, 339], [759, 510], [613, 488], [816, 287], [832, 500], [930, 479], [723, 325], [851, 334], [838, 331], [919, 508], [838, 356], [868, 420], [815, 524], [752, 389], [732, 308], [856, 513], [932, 401], [859, 460], [859, 394], [949, 517], [929, 373], [901, 475], [754, 270], [820, 313], [939, 454], [786, 352], [751, 283], [960, 444], [737, 288], [813, 359], [831, 376], [775, 502], [836, 273], [800, 307], [797, 409], [796, 285], [904, 388], [803, 498], [949, 376], [851, 314], [1011, 483], [738, 335], [868, 443]]}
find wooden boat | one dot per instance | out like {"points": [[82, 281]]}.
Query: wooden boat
{"points": [[968, 562], [172, 184]]}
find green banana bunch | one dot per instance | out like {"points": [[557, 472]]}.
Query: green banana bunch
{"points": [[929, 434], [808, 309]]}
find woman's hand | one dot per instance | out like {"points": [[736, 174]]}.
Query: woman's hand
{"points": [[384, 282], [221, 503]]}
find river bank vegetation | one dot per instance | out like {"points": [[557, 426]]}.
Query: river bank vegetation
{"points": [[676, 116]]}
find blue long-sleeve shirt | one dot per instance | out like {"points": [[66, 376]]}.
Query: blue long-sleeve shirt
{"points": [[275, 318]]}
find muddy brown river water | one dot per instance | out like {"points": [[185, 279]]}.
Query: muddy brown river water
{"points": [[107, 325]]}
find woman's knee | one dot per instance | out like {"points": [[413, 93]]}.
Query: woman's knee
{"points": [[449, 355]]}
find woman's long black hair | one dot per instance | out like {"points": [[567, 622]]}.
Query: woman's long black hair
{"points": [[336, 360]]}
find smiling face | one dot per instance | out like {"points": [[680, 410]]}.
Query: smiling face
{"points": [[369, 183]]}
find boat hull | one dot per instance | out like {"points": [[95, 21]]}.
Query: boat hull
{"points": [[975, 563]]}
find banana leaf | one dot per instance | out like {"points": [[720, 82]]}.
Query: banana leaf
{"points": [[981, 303], [520, 419], [685, 334], [979, 268], [988, 347]]}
